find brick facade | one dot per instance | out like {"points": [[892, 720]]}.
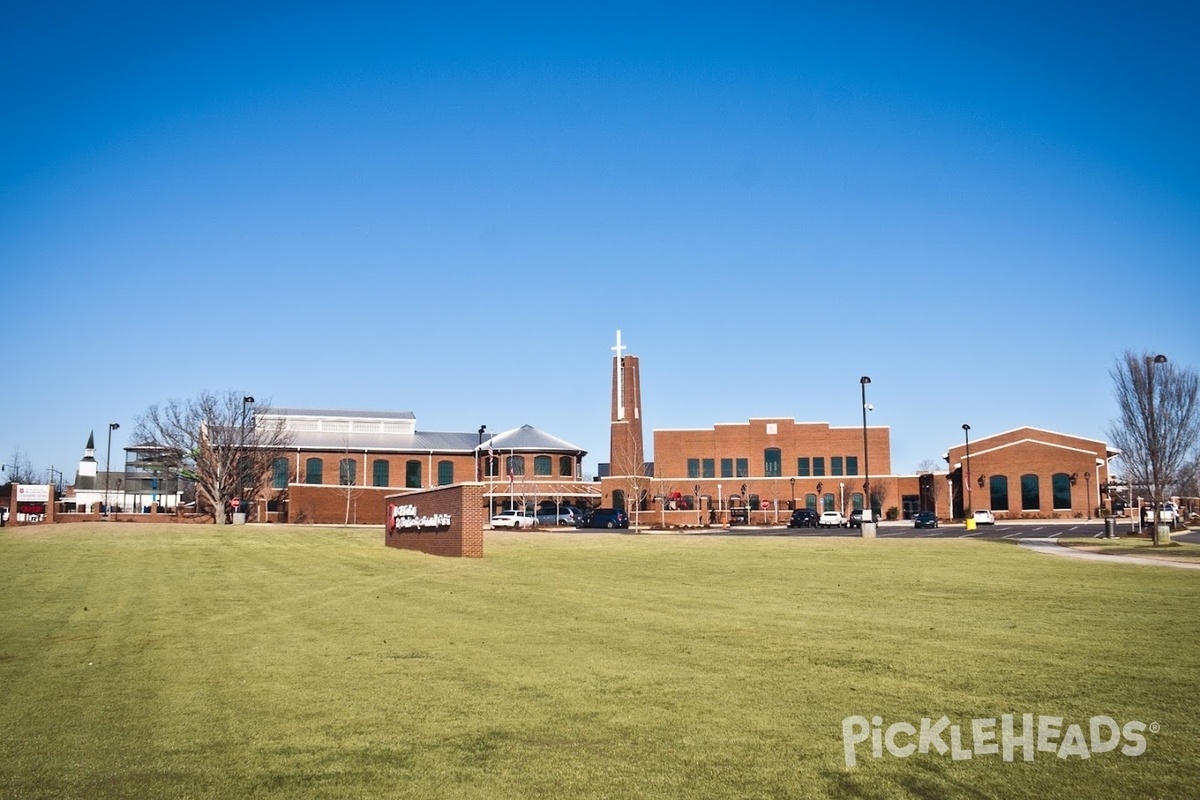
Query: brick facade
{"points": [[1009, 465]]}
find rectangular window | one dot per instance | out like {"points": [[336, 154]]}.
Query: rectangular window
{"points": [[279, 473], [707, 468], [347, 472], [693, 465], [1031, 497], [313, 471], [541, 466], [743, 467], [835, 465], [726, 467], [772, 462], [851, 465], [818, 466], [412, 475], [802, 468], [445, 473]]}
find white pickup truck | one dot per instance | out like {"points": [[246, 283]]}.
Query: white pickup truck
{"points": [[1166, 513]]}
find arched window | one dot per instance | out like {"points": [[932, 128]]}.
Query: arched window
{"points": [[755, 503], [516, 465], [313, 470], [810, 501], [491, 467], [999, 491], [1031, 499], [445, 473], [566, 466], [828, 502], [618, 499], [541, 466], [347, 472], [856, 501], [279, 473], [772, 463], [412, 474], [379, 476], [1060, 486]]}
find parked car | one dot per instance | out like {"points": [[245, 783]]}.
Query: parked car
{"points": [[803, 518], [563, 515], [855, 520], [984, 517], [513, 519], [604, 518], [1166, 513], [925, 519], [3, 515], [832, 519]]}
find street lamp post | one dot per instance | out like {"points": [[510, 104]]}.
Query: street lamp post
{"points": [[868, 514], [1156, 490], [112, 426], [242, 460], [482, 428], [967, 469], [792, 481], [1087, 483]]}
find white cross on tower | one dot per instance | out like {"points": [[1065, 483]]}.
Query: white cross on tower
{"points": [[620, 377]]}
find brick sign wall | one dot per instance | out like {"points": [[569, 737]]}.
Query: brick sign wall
{"points": [[446, 521]]}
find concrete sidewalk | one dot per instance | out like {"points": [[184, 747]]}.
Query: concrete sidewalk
{"points": [[1052, 547]]}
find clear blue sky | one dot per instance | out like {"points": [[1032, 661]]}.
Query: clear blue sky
{"points": [[449, 209]]}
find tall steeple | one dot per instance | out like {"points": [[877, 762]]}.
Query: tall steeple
{"points": [[626, 444], [85, 476]]}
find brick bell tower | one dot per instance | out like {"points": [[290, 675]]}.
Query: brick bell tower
{"points": [[626, 446]]}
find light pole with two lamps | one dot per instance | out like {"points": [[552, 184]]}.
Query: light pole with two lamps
{"points": [[868, 518], [112, 426]]}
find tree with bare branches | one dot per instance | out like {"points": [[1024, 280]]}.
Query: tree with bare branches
{"points": [[212, 442], [1158, 427]]}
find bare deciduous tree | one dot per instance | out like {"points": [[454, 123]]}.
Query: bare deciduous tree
{"points": [[1158, 427], [629, 450], [19, 469], [213, 441]]}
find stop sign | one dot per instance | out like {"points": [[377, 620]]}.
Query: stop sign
{"points": [[235, 502]]}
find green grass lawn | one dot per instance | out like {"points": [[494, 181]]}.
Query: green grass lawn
{"points": [[1138, 547], [178, 661]]}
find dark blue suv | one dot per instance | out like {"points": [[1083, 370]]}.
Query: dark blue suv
{"points": [[604, 518]]}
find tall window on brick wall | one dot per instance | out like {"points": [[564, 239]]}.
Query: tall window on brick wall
{"points": [[803, 467], [998, 486], [412, 474], [743, 467], [541, 466], [279, 473], [379, 472], [566, 466], [347, 470], [856, 501], [828, 502], [851, 465], [1060, 485], [516, 465], [835, 465], [693, 467], [708, 468], [445, 473], [726, 467], [818, 467], [1031, 498], [772, 462], [810, 501], [313, 470], [491, 467]]}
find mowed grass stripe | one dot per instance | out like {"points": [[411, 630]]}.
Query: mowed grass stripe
{"points": [[276, 662]]}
